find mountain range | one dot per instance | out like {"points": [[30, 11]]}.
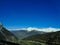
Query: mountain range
{"points": [[24, 33], [52, 38], [33, 37]]}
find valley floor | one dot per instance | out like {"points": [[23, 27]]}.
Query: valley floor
{"points": [[32, 43]]}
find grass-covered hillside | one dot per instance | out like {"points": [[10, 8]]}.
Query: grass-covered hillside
{"points": [[43, 39]]}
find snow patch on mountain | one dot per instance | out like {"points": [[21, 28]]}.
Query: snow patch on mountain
{"points": [[50, 29]]}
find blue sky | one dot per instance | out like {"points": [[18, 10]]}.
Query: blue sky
{"points": [[30, 13]]}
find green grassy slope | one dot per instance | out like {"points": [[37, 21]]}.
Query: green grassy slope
{"points": [[43, 39]]}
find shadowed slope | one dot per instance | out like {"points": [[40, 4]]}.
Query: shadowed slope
{"points": [[7, 35]]}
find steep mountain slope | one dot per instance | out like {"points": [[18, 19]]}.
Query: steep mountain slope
{"points": [[53, 37], [7, 35], [24, 33]]}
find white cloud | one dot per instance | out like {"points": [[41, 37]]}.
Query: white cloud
{"points": [[41, 29], [50, 29]]}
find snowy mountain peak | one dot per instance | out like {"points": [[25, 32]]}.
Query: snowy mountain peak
{"points": [[50, 29]]}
